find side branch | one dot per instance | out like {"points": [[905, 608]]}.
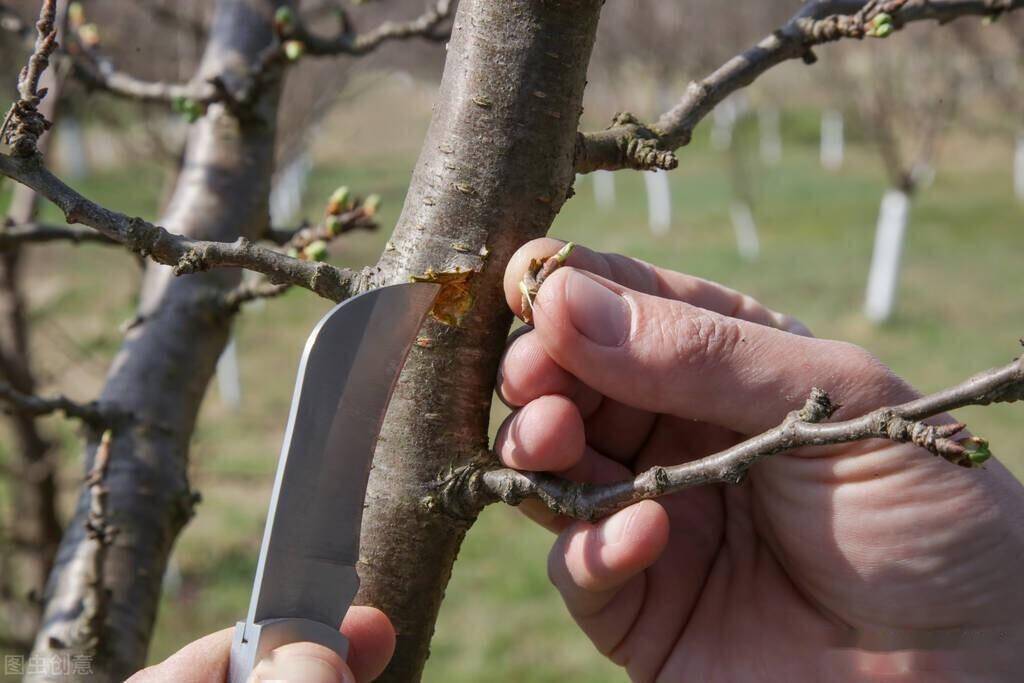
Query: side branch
{"points": [[185, 254], [347, 42], [24, 124], [99, 73], [91, 413], [13, 236], [467, 489], [629, 143]]}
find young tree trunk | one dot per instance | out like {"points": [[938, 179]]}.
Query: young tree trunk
{"points": [[101, 602], [495, 169], [35, 528]]}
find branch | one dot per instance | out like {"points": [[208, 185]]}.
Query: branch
{"points": [[99, 73], [467, 489], [344, 214], [185, 254], [346, 42], [92, 413], [295, 40], [24, 125], [629, 143], [32, 233]]}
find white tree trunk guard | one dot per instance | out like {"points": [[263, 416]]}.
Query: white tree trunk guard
{"points": [[747, 241], [883, 278], [659, 202], [833, 140]]}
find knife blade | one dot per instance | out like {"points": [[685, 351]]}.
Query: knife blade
{"points": [[306, 578]]}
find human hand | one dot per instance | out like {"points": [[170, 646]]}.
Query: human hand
{"points": [[835, 563], [371, 643]]}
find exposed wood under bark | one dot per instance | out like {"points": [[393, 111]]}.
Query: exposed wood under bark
{"points": [[495, 169]]}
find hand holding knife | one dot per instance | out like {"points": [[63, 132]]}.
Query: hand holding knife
{"points": [[306, 577]]}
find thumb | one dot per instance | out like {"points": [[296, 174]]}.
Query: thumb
{"points": [[667, 356], [302, 663]]}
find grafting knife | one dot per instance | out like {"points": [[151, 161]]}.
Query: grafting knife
{"points": [[306, 577]]}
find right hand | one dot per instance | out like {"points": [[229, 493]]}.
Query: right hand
{"points": [[371, 644], [838, 563]]}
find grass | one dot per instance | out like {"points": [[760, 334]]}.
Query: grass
{"points": [[960, 311]]}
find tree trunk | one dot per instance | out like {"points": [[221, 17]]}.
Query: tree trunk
{"points": [[101, 601], [495, 169], [35, 528]]}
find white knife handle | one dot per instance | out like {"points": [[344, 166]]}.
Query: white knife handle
{"points": [[254, 642]]}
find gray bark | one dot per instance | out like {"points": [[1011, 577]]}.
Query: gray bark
{"points": [[160, 376], [495, 169]]}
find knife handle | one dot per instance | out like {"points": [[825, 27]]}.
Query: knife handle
{"points": [[253, 642]]}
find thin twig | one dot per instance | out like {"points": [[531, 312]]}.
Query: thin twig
{"points": [[185, 254], [24, 124], [347, 42], [308, 242], [99, 72], [35, 233], [466, 489], [629, 143], [92, 413]]}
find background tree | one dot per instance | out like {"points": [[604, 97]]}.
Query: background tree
{"points": [[497, 165]]}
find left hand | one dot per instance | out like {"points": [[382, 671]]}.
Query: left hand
{"points": [[371, 643]]}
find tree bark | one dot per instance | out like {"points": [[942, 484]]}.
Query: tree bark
{"points": [[102, 598], [495, 169], [35, 527]]}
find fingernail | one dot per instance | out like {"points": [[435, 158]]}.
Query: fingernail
{"points": [[600, 315], [616, 529]]}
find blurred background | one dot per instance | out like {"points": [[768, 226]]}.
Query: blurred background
{"points": [[897, 162]]}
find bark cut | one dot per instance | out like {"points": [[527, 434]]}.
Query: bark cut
{"points": [[496, 167]]}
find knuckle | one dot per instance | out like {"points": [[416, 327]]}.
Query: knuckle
{"points": [[702, 338]]}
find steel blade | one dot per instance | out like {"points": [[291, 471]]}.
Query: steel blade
{"points": [[348, 370]]}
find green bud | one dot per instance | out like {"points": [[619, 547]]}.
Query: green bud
{"points": [[883, 31], [333, 225], [881, 18], [284, 19], [294, 49], [316, 251], [293, 252], [193, 111], [188, 108], [371, 205], [338, 201], [977, 450]]}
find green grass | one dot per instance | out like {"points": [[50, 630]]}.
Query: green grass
{"points": [[960, 310]]}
